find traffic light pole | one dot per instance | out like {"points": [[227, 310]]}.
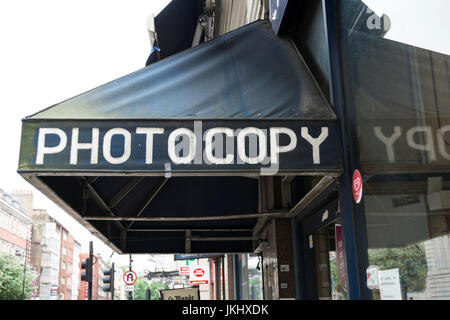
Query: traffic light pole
{"points": [[91, 254], [112, 281], [130, 294]]}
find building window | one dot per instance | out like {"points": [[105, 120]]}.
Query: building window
{"points": [[396, 88], [64, 251]]}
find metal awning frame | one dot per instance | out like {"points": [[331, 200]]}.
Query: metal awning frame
{"points": [[33, 178]]}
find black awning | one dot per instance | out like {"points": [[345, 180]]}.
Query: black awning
{"points": [[171, 152]]}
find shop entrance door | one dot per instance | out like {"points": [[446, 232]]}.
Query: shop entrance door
{"points": [[328, 259], [323, 258]]}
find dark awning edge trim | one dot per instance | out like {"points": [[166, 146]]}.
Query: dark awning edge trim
{"points": [[240, 173]]}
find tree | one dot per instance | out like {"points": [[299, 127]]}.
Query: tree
{"points": [[154, 287], [410, 260], [255, 288], [11, 279], [140, 287]]}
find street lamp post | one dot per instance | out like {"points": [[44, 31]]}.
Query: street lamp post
{"points": [[25, 267]]}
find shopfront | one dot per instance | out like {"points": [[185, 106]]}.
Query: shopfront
{"points": [[397, 89], [387, 77], [252, 143]]}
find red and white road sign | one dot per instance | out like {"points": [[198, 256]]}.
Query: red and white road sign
{"points": [[129, 277], [184, 271], [199, 274], [357, 187]]}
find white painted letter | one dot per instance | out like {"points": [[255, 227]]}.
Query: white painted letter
{"points": [[171, 146], [388, 141], [441, 141], [42, 149], [428, 144], [315, 142], [126, 145], [149, 132], [275, 148], [76, 146], [208, 146], [262, 143]]}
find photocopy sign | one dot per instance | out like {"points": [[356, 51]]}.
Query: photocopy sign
{"points": [[181, 146]]}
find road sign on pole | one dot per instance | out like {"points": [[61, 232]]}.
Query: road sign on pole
{"points": [[129, 277], [129, 288], [199, 274]]}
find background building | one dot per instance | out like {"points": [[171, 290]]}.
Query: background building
{"points": [[66, 265], [52, 251], [15, 227], [76, 270]]}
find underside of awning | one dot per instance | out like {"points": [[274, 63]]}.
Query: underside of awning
{"points": [[168, 159]]}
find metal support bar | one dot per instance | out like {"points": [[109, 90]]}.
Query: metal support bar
{"points": [[224, 238], [123, 240], [193, 230], [94, 194], [282, 214], [187, 245], [153, 194], [124, 191], [324, 183]]}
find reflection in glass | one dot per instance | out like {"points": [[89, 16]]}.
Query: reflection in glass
{"points": [[398, 92]]}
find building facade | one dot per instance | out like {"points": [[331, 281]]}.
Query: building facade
{"points": [[51, 254], [66, 265], [76, 270], [15, 228]]}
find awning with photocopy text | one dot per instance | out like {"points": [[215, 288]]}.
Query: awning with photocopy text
{"points": [[184, 139]]}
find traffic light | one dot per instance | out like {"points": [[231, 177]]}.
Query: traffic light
{"points": [[108, 281], [86, 270]]}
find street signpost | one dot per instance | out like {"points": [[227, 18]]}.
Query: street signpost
{"points": [[129, 288], [129, 277], [389, 282], [199, 274], [372, 277], [184, 271]]}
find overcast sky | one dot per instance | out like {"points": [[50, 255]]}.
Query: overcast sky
{"points": [[52, 50], [421, 23]]}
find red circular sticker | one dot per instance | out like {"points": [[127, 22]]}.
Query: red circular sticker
{"points": [[199, 272], [357, 186]]}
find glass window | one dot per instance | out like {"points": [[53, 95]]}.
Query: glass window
{"points": [[396, 71]]}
